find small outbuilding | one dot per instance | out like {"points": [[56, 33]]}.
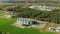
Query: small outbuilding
{"points": [[52, 28], [58, 29]]}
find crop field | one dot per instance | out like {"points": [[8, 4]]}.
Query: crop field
{"points": [[5, 26]]}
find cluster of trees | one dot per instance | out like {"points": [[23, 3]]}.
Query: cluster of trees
{"points": [[27, 13], [53, 16], [49, 16]]}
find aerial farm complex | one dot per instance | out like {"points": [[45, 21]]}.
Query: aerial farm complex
{"points": [[29, 16]]}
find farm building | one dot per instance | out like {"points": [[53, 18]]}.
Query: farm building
{"points": [[52, 28], [58, 29], [23, 22], [27, 21]]}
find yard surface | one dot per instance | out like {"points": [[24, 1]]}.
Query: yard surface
{"points": [[5, 26], [2, 12]]}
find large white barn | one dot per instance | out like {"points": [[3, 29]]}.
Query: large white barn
{"points": [[24, 21]]}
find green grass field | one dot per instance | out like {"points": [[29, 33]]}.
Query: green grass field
{"points": [[2, 12], [5, 26]]}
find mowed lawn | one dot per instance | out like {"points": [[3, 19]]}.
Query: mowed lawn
{"points": [[2, 12], [5, 26]]}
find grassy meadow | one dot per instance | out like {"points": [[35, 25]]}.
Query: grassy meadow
{"points": [[2, 12], [5, 26]]}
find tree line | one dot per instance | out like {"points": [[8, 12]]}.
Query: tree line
{"points": [[49, 16]]}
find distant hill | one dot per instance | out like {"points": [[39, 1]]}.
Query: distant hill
{"points": [[58, 1]]}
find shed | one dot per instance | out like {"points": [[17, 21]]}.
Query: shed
{"points": [[52, 28], [58, 29]]}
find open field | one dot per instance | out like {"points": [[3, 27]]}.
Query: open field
{"points": [[2, 12], [5, 26]]}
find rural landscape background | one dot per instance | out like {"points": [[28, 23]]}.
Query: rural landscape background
{"points": [[47, 11]]}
